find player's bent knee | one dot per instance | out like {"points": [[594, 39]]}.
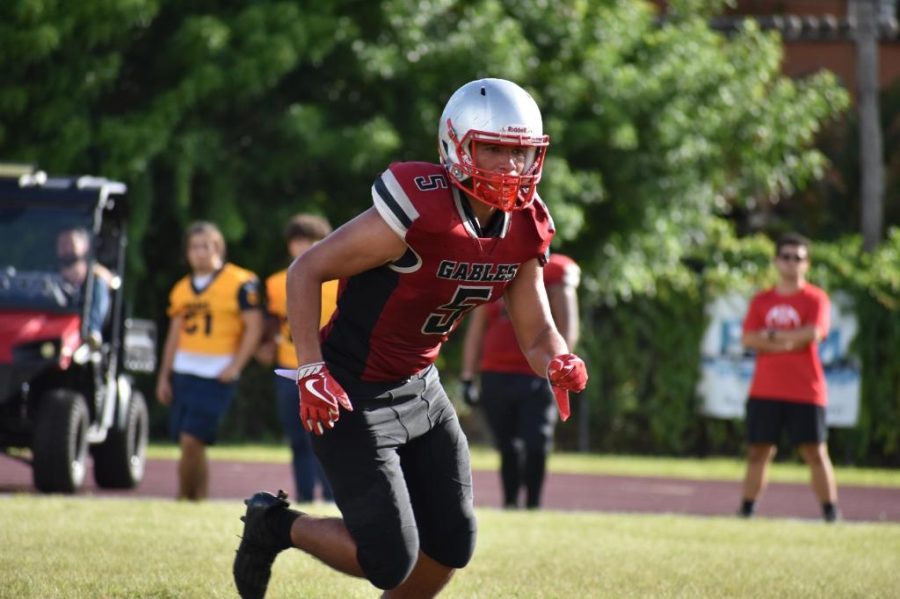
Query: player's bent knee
{"points": [[455, 549], [388, 562], [456, 556]]}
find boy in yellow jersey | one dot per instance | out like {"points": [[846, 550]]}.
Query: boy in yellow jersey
{"points": [[302, 232], [216, 322]]}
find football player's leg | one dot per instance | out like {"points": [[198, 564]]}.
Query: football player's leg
{"points": [[538, 421], [426, 580], [442, 500], [360, 459], [501, 409]]}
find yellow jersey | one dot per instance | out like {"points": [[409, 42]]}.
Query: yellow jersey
{"points": [[276, 300], [212, 323]]}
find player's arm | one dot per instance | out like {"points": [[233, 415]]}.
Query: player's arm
{"points": [[472, 342], [543, 346], [265, 353], [362, 244], [472, 353], [253, 330], [564, 308], [529, 310], [164, 374]]}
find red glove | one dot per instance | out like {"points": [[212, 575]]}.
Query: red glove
{"points": [[321, 397], [566, 372]]}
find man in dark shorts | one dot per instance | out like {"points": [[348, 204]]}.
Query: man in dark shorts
{"points": [[783, 326], [440, 240]]}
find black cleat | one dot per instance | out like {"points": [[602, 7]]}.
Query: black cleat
{"points": [[259, 545]]}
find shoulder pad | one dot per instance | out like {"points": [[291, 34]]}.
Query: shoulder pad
{"points": [[241, 274], [545, 227], [414, 192], [542, 225], [561, 269]]}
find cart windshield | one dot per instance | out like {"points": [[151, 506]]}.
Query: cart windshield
{"points": [[45, 253]]}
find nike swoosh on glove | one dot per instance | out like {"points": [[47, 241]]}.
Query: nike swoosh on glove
{"points": [[566, 372], [321, 397]]}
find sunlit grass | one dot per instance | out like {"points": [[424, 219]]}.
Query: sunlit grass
{"points": [[89, 548]]}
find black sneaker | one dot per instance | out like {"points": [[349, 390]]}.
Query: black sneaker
{"points": [[259, 546], [831, 514]]}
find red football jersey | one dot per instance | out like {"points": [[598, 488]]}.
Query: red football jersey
{"points": [[391, 321], [793, 375], [500, 349]]}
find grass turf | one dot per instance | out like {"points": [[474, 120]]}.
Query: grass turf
{"points": [[88, 548]]}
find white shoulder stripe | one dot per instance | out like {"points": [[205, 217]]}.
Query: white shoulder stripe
{"points": [[387, 214], [391, 192]]}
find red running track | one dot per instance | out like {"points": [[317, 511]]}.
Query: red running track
{"points": [[237, 480]]}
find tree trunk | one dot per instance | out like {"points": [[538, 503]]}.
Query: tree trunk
{"points": [[870, 143]]}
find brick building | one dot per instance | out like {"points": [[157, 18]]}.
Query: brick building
{"points": [[819, 34]]}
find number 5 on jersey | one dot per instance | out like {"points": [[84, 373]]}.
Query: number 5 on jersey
{"points": [[464, 299]]}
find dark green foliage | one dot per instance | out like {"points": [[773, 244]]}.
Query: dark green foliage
{"points": [[245, 113]]}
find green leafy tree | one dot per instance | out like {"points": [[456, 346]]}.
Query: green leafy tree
{"points": [[246, 112]]}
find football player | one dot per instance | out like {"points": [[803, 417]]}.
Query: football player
{"points": [[439, 240], [518, 403]]}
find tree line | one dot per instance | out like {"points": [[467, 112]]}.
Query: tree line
{"points": [[663, 133]]}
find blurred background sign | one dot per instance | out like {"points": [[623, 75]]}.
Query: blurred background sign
{"points": [[727, 369]]}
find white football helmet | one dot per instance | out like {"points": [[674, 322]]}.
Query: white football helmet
{"points": [[498, 112]]}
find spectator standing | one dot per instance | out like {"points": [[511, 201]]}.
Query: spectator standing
{"points": [[303, 231], [216, 323], [519, 404], [784, 326], [439, 240]]}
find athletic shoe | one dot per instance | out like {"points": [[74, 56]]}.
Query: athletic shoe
{"points": [[259, 545], [831, 514]]}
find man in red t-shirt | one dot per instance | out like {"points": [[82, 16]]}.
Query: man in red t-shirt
{"points": [[783, 326], [517, 402]]}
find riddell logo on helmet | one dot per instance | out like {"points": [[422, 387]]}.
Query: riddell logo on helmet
{"points": [[518, 129]]}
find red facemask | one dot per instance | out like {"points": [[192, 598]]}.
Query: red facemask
{"points": [[500, 190]]}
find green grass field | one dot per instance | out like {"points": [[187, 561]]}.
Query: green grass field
{"points": [[485, 458], [53, 547]]}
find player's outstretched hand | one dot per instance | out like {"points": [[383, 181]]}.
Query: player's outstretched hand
{"points": [[321, 397], [566, 372]]}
